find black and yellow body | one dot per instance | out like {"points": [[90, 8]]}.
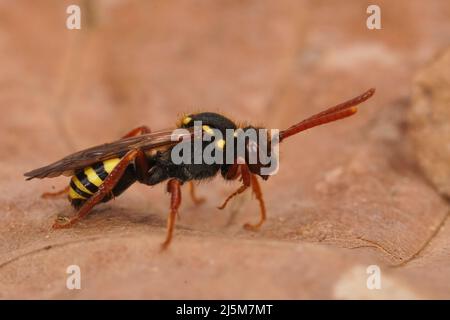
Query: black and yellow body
{"points": [[85, 182]]}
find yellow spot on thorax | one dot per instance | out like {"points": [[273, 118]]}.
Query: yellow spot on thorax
{"points": [[186, 120], [208, 130], [220, 144]]}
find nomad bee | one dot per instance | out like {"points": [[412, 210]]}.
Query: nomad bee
{"points": [[101, 173]]}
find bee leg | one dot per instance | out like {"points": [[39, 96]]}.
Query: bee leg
{"points": [[195, 199], [258, 193], [231, 196], [55, 194], [246, 180], [137, 131], [104, 189], [173, 187]]}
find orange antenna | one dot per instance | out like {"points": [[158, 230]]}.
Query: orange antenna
{"points": [[341, 111]]}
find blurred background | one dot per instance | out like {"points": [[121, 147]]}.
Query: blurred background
{"points": [[369, 190]]}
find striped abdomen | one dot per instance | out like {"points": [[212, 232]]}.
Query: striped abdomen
{"points": [[86, 182]]}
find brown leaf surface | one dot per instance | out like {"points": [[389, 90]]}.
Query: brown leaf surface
{"points": [[348, 195]]}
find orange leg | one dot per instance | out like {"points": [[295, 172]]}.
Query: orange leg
{"points": [[242, 171], [137, 131], [233, 172], [55, 194], [104, 189], [258, 193], [174, 188], [231, 196], [195, 199], [248, 179]]}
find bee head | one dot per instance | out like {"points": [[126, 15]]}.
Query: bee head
{"points": [[257, 150]]}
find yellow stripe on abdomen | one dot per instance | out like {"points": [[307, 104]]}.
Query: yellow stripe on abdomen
{"points": [[85, 183], [74, 195], [79, 185], [92, 176], [110, 164]]}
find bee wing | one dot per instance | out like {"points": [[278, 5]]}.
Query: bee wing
{"points": [[116, 149]]}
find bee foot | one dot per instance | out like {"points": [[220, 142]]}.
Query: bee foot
{"points": [[251, 227], [62, 222]]}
